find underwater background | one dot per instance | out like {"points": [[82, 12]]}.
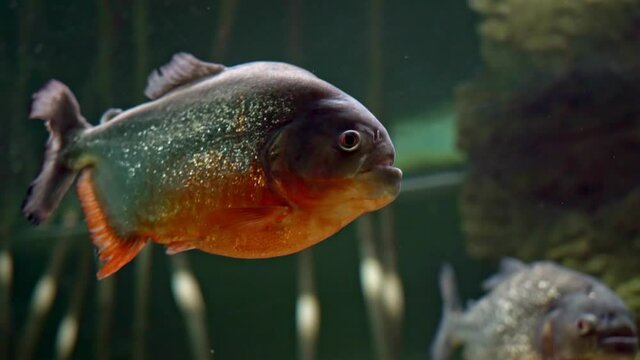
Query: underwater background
{"points": [[516, 125]]}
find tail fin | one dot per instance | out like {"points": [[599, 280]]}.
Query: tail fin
{"points": [[444, 343], [56, 105]]}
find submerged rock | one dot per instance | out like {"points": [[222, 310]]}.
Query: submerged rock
{"points": [[552, 132]]}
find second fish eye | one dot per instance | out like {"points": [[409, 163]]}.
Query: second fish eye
{"points": [[349, 140], [586, 324]]}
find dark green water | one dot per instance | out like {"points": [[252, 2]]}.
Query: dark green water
{"points": [[104, 50]]}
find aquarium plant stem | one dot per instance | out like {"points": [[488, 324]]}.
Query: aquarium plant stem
{"points": [[307, 303], [44, 293], [392, 290], [103, 84], [295, 34], [141, 39], [6, 279], [143, 270], [376, 82], [15, 143], [105, 305], [67, 336], [188, 296], [371, 277], [226, 19], [380, 280], [307, 308], [141, 302]]}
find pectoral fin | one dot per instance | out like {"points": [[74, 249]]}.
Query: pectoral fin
{"points": [[244, 218]]}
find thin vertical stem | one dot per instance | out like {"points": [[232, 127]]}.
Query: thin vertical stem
{"points": [[307, 304], [44, 293], [295, 33], [307, 308], [141, 301], [225, 22], [143, 269], [106, 303], [376, 57], [103, 82], [188, 296], [393, 293], [389, 295], [68, 329], [372, 282], [6, 278], [141, 43], [104, 91], [14, 144], [7, 182]]}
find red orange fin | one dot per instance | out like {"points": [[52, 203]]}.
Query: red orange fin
{"points": [[179, 246], [115, 251]]}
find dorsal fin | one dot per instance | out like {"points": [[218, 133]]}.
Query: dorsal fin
{"points": [[110, 114], [181, 70], [508, 267]]}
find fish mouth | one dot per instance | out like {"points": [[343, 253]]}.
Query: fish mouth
{"points": [[385, 175], [619, 341], [385, 161]]}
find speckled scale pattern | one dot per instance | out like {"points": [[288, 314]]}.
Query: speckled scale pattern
{"points": [[194, 142], [501, 325]]}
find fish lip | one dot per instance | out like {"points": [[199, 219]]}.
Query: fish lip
{"points": [[388, 177], [385, 165], [380, 169], [622, 343], [388, 169], [385, 161], [382, 164]]}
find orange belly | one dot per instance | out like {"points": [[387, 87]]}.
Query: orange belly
{"points": [[252, 233], [237, 216]]}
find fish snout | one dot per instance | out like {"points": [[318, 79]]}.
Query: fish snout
{"points": [[617, 333], [380, 165]]}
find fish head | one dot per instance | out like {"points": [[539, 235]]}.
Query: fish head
{"points": [[336, 150], [591, 324]]}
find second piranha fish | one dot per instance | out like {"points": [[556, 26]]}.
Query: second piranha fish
{"points": [[540, 311], [257, 160]]}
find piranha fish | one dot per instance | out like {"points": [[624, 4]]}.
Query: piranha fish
{"points": [[252, 161], [540, 311]]}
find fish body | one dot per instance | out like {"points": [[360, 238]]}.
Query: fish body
{"points": [[537, 312], [258, 160]]}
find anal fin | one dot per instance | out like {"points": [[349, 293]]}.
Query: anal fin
{"points": [[179, 246], [115, 251]]}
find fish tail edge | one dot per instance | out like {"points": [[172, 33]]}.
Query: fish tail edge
{"points": [[57, 106], [113, 250], [444, 343]]}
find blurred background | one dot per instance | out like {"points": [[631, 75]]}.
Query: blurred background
{"points": [[402, 59], [516, 125]]}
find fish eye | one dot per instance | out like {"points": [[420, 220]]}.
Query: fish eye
{"points": [[349, 140], [586, 324]]}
